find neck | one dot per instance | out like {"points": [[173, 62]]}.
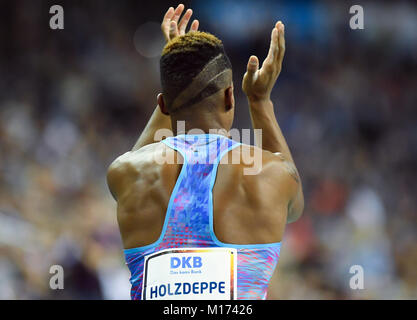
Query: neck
{"points": [[205, 122]]}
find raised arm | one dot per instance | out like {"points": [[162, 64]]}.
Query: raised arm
{"points": [[171, 29], [257, 85]]}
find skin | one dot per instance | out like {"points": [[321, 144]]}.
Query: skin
{"points": [[247, 209]]}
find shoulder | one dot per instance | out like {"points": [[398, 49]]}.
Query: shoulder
{"points": [[282, 169], [264, 168], [126, 169], [259, 160]]}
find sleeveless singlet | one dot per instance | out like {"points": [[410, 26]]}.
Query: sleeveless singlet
{"points": [[188, 262]]}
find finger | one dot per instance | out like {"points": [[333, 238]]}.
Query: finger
{"points": [[253, 66], [178, 12], [274, 43], [278, 24], [173, 30], [194, 25], [166, 21], [168, 15], [281, 42], [184, 21], [273, 49]]}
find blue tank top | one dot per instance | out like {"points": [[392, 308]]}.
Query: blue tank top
{"points": [[173, 266]]}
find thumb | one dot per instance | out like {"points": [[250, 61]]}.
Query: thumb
{"points": [[253, 65]]}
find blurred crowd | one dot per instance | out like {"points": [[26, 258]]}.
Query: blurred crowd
{"points": [[72, 100]]}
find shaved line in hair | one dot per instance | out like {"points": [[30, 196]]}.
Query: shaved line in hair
{"points": [[217, 83], [207, 82]]}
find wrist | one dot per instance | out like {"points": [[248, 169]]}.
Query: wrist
{"points": [[258, 99], [255, 102]]}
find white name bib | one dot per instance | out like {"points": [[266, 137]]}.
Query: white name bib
{"points": [[190, 274]]}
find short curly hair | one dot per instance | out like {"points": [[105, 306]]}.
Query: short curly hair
{"points": [[190, 42], [184, 57]]}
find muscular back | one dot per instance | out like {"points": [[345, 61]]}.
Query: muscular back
{"points": [[247, 209]]}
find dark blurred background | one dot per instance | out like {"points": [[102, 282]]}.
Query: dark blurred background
{"points": [[72, 100]]}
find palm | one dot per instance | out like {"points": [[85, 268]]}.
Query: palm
{"points": [[259, 84]]}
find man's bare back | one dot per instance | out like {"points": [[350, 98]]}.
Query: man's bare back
{"points": [[247, 209]]}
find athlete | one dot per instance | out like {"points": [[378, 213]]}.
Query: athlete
{"points": [[201, 227]]}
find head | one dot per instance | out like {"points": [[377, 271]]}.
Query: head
{"points": [[196, 78]]}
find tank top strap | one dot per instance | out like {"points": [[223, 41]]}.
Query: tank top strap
{"points": [[188, 221]]}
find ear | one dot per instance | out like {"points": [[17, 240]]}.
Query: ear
{"points": [[229, 98], [162, 105]]}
